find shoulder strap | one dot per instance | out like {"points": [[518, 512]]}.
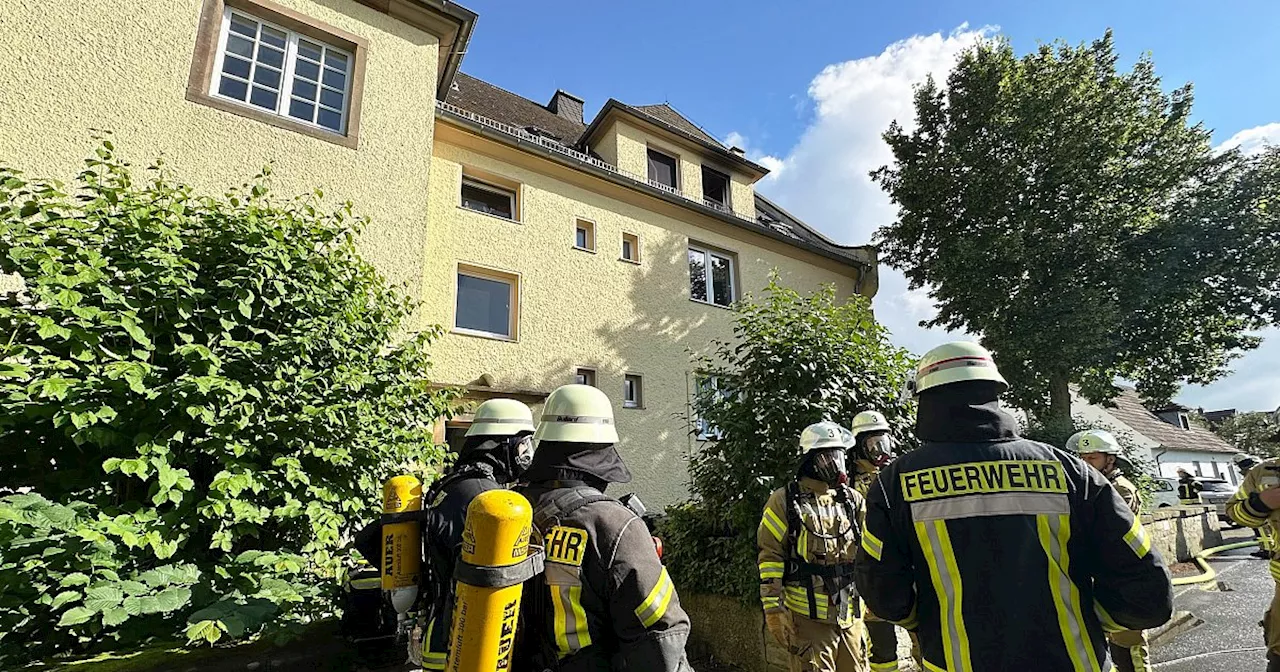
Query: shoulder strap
{"points": [[793, 517], [564, 503], [472, 470]]}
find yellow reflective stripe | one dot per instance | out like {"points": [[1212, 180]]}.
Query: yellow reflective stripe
{"points": [[432, 660], [949, 554], [770, 521], [366, 584], [771, 602], [580, 617], [802, 544], [1108, 624], [873, 546], [891, 666], [1137, 539], [655, 603], [558, 618], [911, 622], [797, 599], [930, 666], [1275, 569], [1054, 532], [771, 570]]}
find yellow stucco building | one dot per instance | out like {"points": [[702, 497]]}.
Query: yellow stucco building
{"points": [[552, 248]]}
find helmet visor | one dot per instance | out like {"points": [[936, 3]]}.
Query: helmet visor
{"points": [[828, 466], [880, 449]]}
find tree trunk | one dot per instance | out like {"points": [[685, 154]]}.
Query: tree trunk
{"points": [[1059, 399]]}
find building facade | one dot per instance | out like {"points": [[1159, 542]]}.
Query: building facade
{"points": [[551, 248]]}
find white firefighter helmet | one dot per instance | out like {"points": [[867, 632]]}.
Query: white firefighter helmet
{"points": [[1245, 462], [955, 362], [869, 421], [577, 414], [501, 417], [1094, 441], [822, 435]]}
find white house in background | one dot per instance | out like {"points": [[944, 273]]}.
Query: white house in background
{"points": [[1167, 433]]}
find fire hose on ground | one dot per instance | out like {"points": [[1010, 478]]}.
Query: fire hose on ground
{"points": [[1201, 560]]}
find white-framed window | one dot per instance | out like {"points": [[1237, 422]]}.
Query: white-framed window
{"points": [[488, 198], [703, 429], [631, 247], [262, 65], [487, 303], [585, 377], [632, 391], [711, 277], [584, 235]]}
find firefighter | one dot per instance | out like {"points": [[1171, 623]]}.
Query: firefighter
{"points": [[808, 538], [1255, 504], [1003, 553], [1263, 534], [1188, 488], [604, 600], [872, 449], [498, 447], [1100, 449]]}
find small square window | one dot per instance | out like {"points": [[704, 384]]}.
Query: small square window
{"points": [[488, 199], [584, 236], [631, 247], [632, 391], [487, 303], [585, 377]]}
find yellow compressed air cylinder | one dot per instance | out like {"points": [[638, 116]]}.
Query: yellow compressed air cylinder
{"points": [[485, 617], [401, 543]]}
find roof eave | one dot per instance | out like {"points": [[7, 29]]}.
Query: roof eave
{"points": [[450, 22], [597, 124], [852, 258]]}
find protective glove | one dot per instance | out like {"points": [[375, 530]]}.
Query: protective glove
{"points": [[780, 626]]}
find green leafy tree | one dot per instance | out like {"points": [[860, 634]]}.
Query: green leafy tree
{"points": [[1072, 216], [200, 396], [1253, 433], [794, 360], [1136, 465]]}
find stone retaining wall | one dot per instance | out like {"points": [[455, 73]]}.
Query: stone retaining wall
{"points": [[731, 632], [1180, 532]]}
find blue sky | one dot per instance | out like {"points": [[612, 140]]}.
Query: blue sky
{"points": [[806, 87]]}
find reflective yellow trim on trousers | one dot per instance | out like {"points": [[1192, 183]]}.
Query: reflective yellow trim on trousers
{"points": [[1274, 566], [771, 570], [656, 602], [770, 521], [936, 546], [872, 545], [1137, 539], [891, 666], [1054, 532]]}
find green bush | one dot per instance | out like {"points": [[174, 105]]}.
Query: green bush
{"points": [[795, 360], [213, 387]]}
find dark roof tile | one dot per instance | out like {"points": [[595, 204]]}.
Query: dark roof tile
{"points": [[668, 115], [499, 104], [1129, 409]]}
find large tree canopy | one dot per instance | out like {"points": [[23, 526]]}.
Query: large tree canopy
{"points": [[1074, 218]]}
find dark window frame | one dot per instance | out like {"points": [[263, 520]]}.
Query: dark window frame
{"points": [[654, 155], [498, 190], [728, 187]]}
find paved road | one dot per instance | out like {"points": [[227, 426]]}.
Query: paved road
{"points": [[1230, 639]]}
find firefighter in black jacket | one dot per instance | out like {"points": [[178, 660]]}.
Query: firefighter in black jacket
{"points": [[604, 601], [497, 450], [1003, 553]]}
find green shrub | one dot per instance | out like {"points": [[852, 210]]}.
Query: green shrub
{"points": [[214, 385], [795, 360]]}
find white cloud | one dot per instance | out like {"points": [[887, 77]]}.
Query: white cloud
{"points": [[773, 163], [824, 179], [1253, 140]]}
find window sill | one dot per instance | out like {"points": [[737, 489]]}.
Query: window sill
{"points": [[630, 261], [483, 334], [713, 305], [584, 249], [508, 220], [350, 141], [633, 407]]}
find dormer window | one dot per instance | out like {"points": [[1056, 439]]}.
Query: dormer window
{"points": [[715, 188], [662, 170]]}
